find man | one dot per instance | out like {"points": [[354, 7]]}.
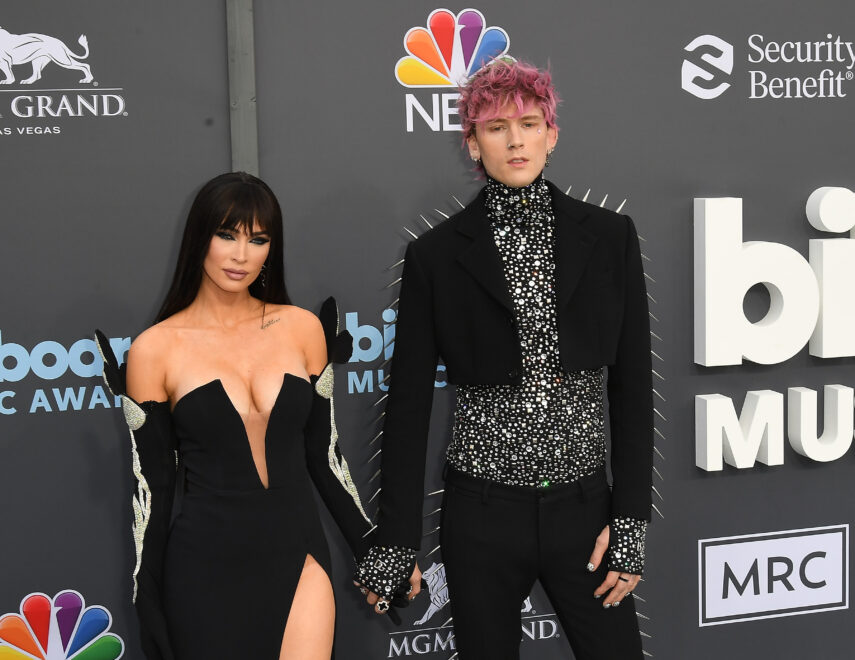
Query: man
{"points": [[527, 296]]}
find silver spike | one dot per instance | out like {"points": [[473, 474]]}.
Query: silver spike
{"points": [[433, 531], [394, 302], [658, 493], [620, 208], [659, 395], [639, 614], [430, 226], [658, 511], [659, 453], [651, 315], [659, 433], [436, 492], [410, 232], [603, 203], [380, 400], [569, 188], [375, 438], [656, 472], [637, 597], [452, 657], [450, 619], [376, 454], [391, 284], [374, 496], [653, 334], [379, 417], [653, 353], [649, 655], [385, 362], [431, 552], [649, 278], [386, 377], [652, 299], [656, 373], [437, 511], [369, 531], [660, 414], [396, 264], [642, 239], [374, 476], [458, 202], [585, 198], [645, 257], [444, 215], [644, 634]]}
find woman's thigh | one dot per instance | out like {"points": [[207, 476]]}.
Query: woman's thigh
{"points": [[311, 621]]}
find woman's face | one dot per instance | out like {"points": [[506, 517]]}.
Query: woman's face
{"points": [[513, 148], [235, 257]]}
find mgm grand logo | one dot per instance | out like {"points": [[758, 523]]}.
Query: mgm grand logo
{"points": [[31, 98], [422, 639]]}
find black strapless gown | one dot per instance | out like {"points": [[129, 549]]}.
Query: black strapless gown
{"points": [[236, 549]]}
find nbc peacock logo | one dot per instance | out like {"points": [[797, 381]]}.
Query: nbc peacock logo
{"points": [[58, 628], [445, 54]]}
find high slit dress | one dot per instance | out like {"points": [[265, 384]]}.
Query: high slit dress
{"points": [[219, 555]]}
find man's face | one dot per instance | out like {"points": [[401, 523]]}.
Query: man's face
{"points": [[513, 148]]}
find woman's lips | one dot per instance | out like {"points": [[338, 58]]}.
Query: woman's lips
{"points": [[235, 274]]}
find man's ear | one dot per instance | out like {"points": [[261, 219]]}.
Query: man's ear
{"points": [[474, 150]]}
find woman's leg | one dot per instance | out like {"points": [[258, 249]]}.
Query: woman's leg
{"points": [[311, 621]]}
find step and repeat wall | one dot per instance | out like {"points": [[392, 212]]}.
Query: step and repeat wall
{"points": [[722, 128]]}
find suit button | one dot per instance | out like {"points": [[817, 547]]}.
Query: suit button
{"points": [[513, 374]]}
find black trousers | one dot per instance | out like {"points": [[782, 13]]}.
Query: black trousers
{"points": [[497, 540]]}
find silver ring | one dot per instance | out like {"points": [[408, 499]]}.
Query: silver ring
{"points": [[363, 591], [382, 605]]}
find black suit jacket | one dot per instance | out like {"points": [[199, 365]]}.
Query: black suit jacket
{"points": [[455, 305]]}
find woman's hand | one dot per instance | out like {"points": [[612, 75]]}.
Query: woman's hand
{"points": [[617, 585]]}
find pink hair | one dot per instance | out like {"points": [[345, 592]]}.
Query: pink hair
{"points": [[487, 93]]}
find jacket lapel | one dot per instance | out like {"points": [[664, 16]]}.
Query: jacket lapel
{"points": [[481, 257], [573, 243]]}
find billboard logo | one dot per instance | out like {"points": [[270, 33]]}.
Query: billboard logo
{"points": [[445, 54], [40, 50], [59, 628], [762, 576], [701, 81]]}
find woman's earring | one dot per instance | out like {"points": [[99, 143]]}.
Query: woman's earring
{"points": [[264, 276]]}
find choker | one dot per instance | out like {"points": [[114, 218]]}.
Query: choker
{"points": [[505, 203]]}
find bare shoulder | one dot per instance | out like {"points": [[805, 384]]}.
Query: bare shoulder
{"points": [[147, 359], [308, 334]]}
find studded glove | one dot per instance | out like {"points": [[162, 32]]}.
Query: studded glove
{"points": [[386, 570], [626, 545]]}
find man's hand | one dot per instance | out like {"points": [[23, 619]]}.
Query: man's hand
{"points": [[617, 585]]}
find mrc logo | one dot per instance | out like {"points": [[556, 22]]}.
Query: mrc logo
{"points": [[444, 55], [59, 628]]}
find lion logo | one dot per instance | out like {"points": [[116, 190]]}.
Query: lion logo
{"points": [[41, 50], [438, 590]]}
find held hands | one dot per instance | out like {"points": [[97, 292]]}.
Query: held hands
{"points": [[389, 578], [617, 585]]}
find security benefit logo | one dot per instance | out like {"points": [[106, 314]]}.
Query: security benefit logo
{"points": [[810, 304], [443, 55], [46, 82], [59, 628], [761, 576], [54, 377], [424, 639], [818, 67]]}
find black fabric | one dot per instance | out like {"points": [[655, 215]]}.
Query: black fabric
{"points": [[497, 540], [455, 305]]}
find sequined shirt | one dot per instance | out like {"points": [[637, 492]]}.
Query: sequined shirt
{"points": [[549, 428]]}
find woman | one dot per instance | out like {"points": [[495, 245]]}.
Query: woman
{"points": [[527, 295], [235, 382]]}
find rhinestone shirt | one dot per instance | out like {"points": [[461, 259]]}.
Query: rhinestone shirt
{"points": [[550, 427]]}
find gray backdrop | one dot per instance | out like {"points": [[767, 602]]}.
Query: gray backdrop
{"points": [[93, 214]]}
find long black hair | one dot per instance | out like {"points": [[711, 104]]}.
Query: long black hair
{"points": [[235, 200]]}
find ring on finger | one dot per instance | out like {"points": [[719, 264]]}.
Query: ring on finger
{"points": [[382, 605], [363, 591], [622, 578]]}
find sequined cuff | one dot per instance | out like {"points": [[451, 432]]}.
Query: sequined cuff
{"points": [[385, 568], [626, 545]]}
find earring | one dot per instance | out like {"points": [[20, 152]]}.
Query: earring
{"points": [[264, 276], [548, 157], [475, 159]]}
